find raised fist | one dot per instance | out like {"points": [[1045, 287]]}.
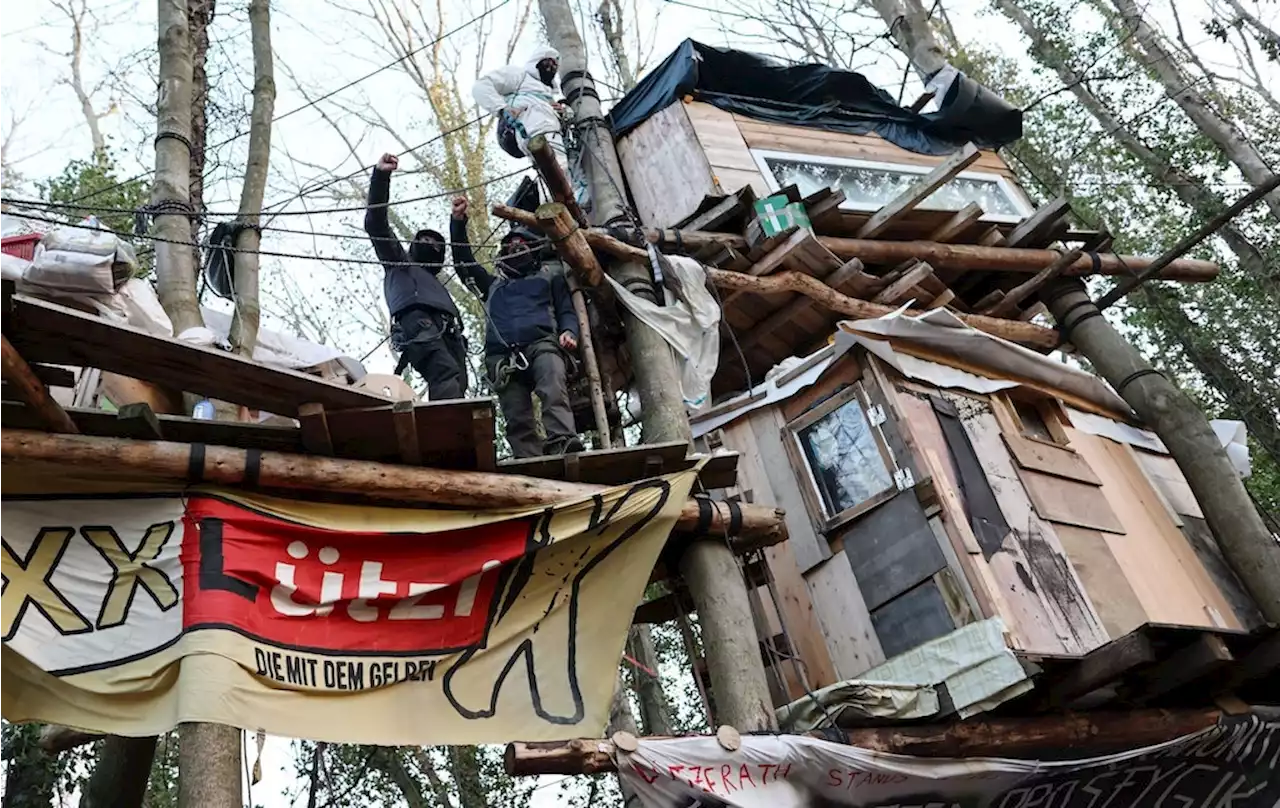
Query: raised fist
{"points": [[460, 206], [388, 162]]}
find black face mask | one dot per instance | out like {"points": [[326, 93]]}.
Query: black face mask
{"points": [[426, 252], [547, 73], [521, 263]]}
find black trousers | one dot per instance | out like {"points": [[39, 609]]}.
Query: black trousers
{"points": [[434, 346]]}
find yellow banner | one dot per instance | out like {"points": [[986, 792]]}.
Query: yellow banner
{"points": [[129, 614]]}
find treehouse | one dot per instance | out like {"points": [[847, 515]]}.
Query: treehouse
{"points": [[965, 514]]}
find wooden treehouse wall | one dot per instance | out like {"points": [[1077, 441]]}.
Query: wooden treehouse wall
{"points": [[691, 150], [1071, 539]]}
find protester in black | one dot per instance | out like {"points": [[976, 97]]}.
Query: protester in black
{"points": [[426, 328], [531, 331]]}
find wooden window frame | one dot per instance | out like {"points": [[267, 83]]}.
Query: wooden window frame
{"points": [[1007, 188], [822, 521], [1050, 410]]}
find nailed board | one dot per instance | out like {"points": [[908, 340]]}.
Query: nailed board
{"points": [[1206, 547], [851, 637], [665, 167], [1055, 460], [720, 137], [1069, 502], [47, 332], [810, 548], [1104, 580], [892, 549], [912, 619]]}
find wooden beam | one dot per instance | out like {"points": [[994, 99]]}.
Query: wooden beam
{"points": [[31, 391], [54, 376], [1262, 660], [403, 417], [1024, 333], [315, 429], [884, 218], [1008, 306], [898, 291], [761, 525], [1103, 666], [1206, 654], [140, 421], [989, 301], [717, 214], [555, 220], [951, 229], [561, 188], [1035, 225], [801, 304], [1084, 734]]}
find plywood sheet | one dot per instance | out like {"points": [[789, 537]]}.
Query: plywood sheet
{"points": [[851, 638], [1113, 597], [927, 434], [1210, 554], [665, 166], [1069, 502], [718, 133], [1058, 461], [810, 547], [732, 180], [1159, 563], [1052, 596], [892, 549], [912, 619], [1164, 472]]}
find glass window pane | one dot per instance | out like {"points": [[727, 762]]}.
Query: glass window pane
{"points": [[870, 188], [842, 455]]}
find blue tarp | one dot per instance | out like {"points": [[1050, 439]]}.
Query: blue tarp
{"points": [[818, 96]]}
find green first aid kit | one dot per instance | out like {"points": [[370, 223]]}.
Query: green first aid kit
{"points": [[778, 215]]}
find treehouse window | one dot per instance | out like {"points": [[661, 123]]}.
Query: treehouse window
{"points": [[868, 185], [842, 457]]}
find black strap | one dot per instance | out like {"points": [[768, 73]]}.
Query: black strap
{"points": [[570, 75], [735, 517], [1133, 377], [587, 90], [704, 515], [1097, 262], [679, 241], [252, 467], [195, 463], [178, 136]]}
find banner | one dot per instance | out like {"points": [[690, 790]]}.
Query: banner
{"points": [[128, 614], [1230, 765]]}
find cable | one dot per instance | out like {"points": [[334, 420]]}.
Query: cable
{"points": [[271, 253]]}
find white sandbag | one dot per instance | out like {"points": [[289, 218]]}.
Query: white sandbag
{"points": [[13, 268], [692, 330], [78, 260]]}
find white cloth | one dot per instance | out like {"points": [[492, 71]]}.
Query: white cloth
{"points": [[519, 89], [692, 330]]}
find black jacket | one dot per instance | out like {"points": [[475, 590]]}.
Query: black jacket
{"points": [[406, 285], [521, 310]]}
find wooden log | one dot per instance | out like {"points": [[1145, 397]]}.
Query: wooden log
{"points": [[586, 344], [761, 525], [957, 256], [898, 291], [571, 245], [1059, 736], [32, 392], [1035, 226], [557, 183], [799, 306], [919, 191], [1024, 333], [1008, 306]]}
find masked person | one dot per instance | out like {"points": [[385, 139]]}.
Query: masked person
{"points": [[531, 330], [426, 329], [522, 96]]}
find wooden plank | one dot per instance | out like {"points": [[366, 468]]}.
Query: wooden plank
{"points": [[712, 218], [402, 418], [919, 191], [1103, 578], [315, 429], [945, 299], [809, 546], [484, 439], [1032, 228], [989, 301], [850, 635], [823, 208], [957, 224], [1058, 461], [1069, 502], [892, 549], [1014, 297], [1210, 554], [603, 466], [1101, 667], [913, 618], [903, 288], [667, 167], [47, 332], [991, 237], [54, 376], [139, 421], [1205, 655], [1262, 660], [800, 304]]}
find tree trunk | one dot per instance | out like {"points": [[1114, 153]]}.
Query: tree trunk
{"points": [[208, 766], [652, 361], [908, 24], [91, 117], [464, 765], [655, 712], [1182, 89], [1194, 194], [119, 778], [244, 325], [612, 19], [199, 17], [175, 261], [1246, 543], [387, 760]]}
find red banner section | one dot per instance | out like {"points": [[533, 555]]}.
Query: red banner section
{"points": [[308, 588]]}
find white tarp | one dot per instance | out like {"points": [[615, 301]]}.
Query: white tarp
{"points": [[692, 329], [1232, 764], [1231, 434], [773, 392]]}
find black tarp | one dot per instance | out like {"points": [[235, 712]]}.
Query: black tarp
{"points": [[817, 96]]}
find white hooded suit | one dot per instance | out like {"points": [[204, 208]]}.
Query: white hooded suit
{"points": [[519, 88]]}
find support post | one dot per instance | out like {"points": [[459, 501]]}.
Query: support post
{"points": [[32, 392], [587, 346], [556, 221], [560, 186], [1246, 543], [120, 773], [708, 566], [208, 766]]}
